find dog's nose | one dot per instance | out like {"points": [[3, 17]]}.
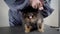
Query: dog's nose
{"points": [[30, 17]]}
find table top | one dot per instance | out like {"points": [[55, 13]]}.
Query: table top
{"points": [[20, 30]]}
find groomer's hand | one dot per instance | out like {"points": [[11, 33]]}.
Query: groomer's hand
{"points": [[36, 4]]}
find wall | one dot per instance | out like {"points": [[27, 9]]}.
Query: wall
{"points": [[59, 12], [3, 14], [51, 20]]}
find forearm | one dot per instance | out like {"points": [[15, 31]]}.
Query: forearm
{"points": [[13, 5]]}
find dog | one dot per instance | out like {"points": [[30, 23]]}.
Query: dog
{"points": [[31, 18]]}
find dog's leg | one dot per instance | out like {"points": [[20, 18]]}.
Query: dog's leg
{"points": [[27, 28], [40, 25]]}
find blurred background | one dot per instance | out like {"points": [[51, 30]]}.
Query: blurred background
{"points": [[51, 20]]}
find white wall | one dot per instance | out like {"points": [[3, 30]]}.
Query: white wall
{"points": [[59, 13], [51, 20], [3, 14]]}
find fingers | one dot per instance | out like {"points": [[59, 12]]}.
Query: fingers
{"points": [[36, 4], [40, 6]]}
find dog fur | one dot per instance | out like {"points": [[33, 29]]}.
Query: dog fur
{"points": [[31, 17]]}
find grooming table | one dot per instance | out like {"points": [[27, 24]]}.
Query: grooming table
{"points": [[20, 30]]}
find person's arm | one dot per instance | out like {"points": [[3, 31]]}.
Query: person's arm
{"points": [[16, 4], [47, 9], [47, 2]]}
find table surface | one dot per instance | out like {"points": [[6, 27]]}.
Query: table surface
{"points": [[20, 30]]}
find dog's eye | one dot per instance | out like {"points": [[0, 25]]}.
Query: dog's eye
{"points": [[33, 16], [27, 16]]}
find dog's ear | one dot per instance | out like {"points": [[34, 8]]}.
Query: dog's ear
{"points": [[29, 9]]}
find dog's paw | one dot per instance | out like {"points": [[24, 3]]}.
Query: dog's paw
{"points": [[27, 31], [40, 30]]}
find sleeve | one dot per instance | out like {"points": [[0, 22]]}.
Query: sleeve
{"points": [[16, 4], [47, 9]]}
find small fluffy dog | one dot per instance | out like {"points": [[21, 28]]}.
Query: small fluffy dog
{"points": [[32, 18]]}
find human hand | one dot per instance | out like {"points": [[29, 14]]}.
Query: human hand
{"points": [[36, 4]]}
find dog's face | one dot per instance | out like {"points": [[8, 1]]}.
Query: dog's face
{"points": [[30, 14]]}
